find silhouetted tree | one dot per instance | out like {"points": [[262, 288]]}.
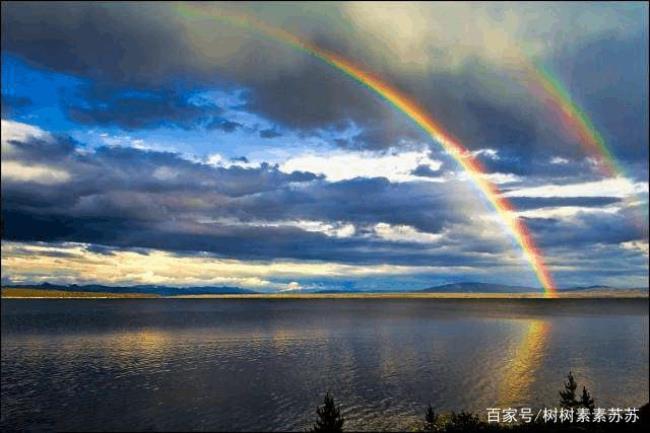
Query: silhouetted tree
{"points": [[430, 420], [329, 417], [463, 422], [586, 400], [568, 396]]}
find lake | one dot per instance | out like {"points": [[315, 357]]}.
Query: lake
{"points": [[226, 364]]}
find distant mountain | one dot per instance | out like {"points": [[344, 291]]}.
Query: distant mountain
{"points": [[334, 291], [472, 287], [595, 287], [462, 287], [146, 289]]}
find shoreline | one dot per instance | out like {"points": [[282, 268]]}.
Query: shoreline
{"points": [[59, 294], [421, 296]]}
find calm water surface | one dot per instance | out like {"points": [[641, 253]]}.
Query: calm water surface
{"points": [[265, 364]]}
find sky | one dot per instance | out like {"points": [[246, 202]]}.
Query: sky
{"points": [[142, 144]]}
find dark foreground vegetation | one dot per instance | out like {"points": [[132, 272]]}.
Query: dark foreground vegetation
{"points": [[330, 418]]}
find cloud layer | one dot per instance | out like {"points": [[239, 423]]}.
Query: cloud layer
{"points": [[58, 192], [151, 132]]}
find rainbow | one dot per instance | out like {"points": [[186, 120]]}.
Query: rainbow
{"points": [[548, 88], [412, 110]]}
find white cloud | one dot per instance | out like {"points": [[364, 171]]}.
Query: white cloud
{"points": [[558, 160], [341, 165], [35, 173], [73, 262], [614, 187], [492, 154], [404, 233], [495, 178], [217, 160], [501, 178], [291, 287], [566, 211], [21, 132], [332, 229], [338, 229], [19, 172], [641, 246]]}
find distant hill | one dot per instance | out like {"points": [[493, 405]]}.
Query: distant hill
{"points": [[145, 289], [596, 287], [462, 287], [333, 291], [472, 287]]}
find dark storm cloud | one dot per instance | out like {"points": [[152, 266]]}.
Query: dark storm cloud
{"points": [[109, 177], [398, 204], [317, 97], [130, 198], [42, 150], [250, 243], [508, 120], [311, 97], [167, 172], [143, 109], [425, 171], [100, 249], [125, 198], [390, 128], [149, 46], [141, 49], [224, 125], [616, 97], [586, 229], [109, 42], [270, 133]]}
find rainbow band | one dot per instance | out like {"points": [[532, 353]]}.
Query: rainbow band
{"points": [[417, 114], [550, 89]]}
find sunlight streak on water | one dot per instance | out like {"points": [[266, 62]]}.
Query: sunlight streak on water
{"points": [[521, 370]]}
